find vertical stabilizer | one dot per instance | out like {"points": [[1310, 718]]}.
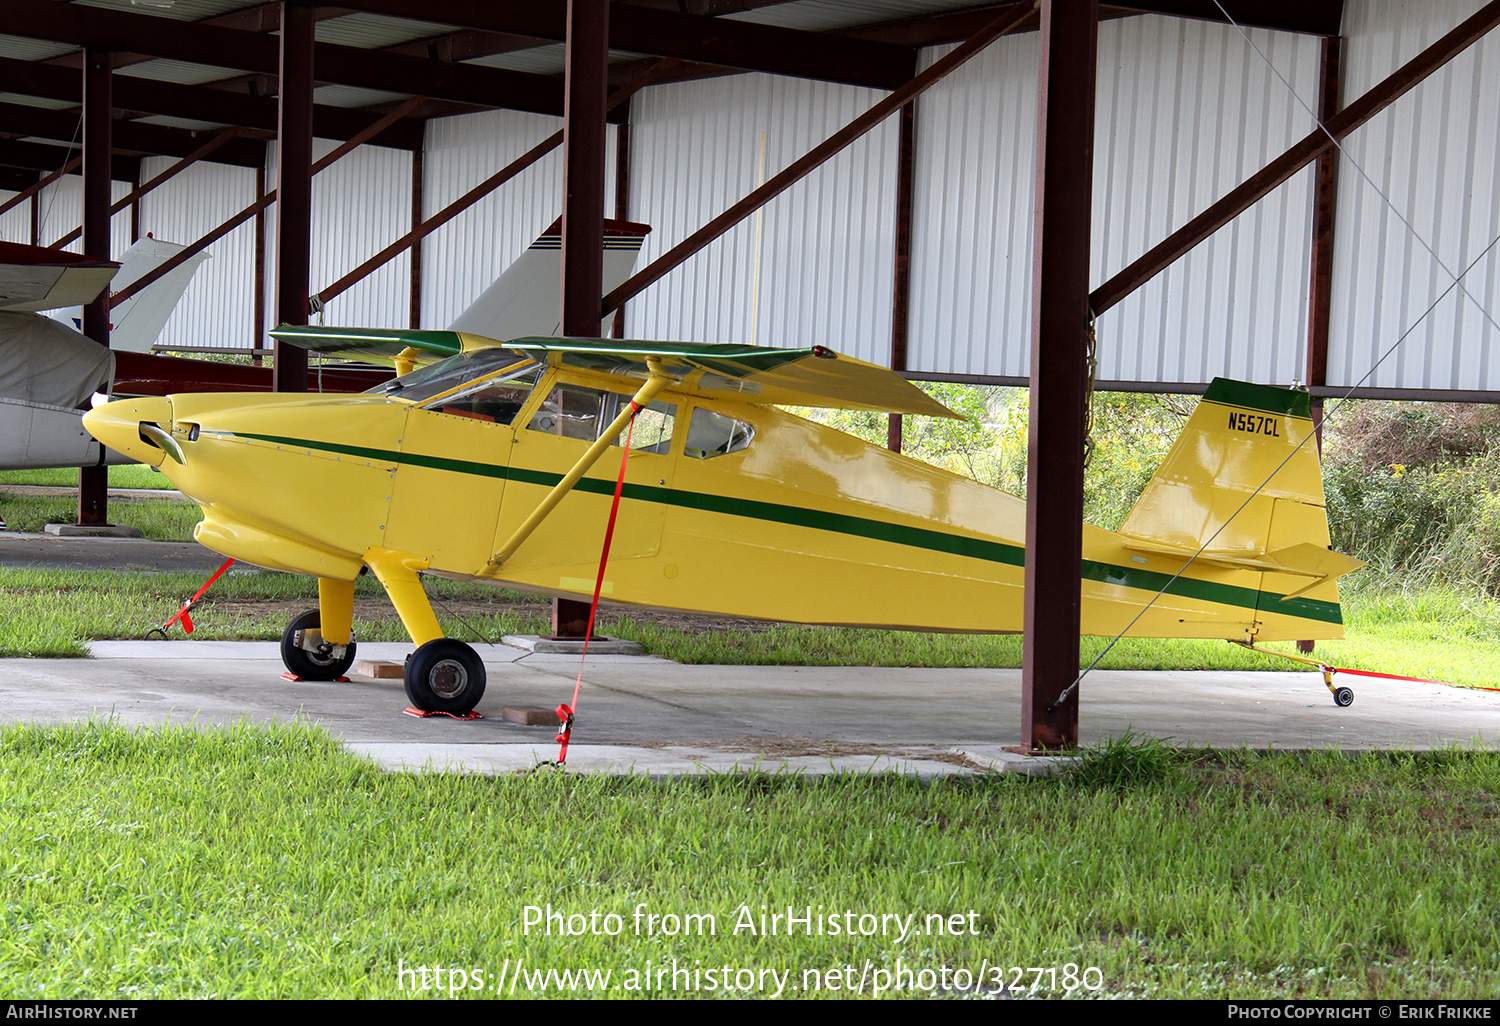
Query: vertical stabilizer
{"points": [[1247, 446], [526, 299], [136, 323]]}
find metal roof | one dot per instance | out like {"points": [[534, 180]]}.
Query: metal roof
{"points": [[204, 64]]}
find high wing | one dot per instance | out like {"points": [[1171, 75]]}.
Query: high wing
{"points": [[371, 343], [522, 301], [33, 278], [816, 377]]}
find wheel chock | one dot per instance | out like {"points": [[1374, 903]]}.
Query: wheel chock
{"points": [[424, 714]]}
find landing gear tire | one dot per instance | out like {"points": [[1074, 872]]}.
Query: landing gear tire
{"points": [[1343, 697], [325, 664], [445, 676]]}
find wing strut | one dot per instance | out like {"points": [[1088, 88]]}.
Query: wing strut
{"points": [[648, 391]]}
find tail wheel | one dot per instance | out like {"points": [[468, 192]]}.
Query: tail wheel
{"points": [[445, 676], [322, 661], [1343, 697]]}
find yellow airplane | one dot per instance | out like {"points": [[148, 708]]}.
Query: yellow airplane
{"points": [[483, 460]]}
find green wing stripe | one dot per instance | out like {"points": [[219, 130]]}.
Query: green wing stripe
{"points": [[724, 358], [368, 341], [840, 523]]}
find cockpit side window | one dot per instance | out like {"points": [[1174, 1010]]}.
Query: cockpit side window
{"points": [[496, 399], [573, 411], [447, 377], [713, 434]]}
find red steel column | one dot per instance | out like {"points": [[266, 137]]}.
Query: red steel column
{"points": [[1325, 195], [418, 177], [622, 200], [901, 286], [1059, 371], [1320, 294], [584, 108], [98, 113], [258, 337], [293, 190]]}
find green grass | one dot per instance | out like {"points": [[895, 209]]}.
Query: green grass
{"points": [[157, 519], [1435, 634], [267, 863], [1438, 634], [129, 475], [52, 613]]}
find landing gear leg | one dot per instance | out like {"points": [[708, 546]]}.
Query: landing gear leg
{"points": [[442, 675], [1341, 696], [312, 652]]}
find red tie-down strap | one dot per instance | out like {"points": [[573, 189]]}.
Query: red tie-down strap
{"points": [[1397, 676], [565, 712], [184, 614]]}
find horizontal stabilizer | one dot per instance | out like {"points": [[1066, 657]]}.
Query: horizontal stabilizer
{"points": [[1304, 560]]}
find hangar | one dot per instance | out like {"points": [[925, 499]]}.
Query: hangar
{"points": [[1282, 192]]}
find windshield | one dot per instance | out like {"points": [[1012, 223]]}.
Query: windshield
{"points": [[454, 372]]}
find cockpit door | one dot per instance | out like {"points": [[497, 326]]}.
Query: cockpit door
{"points": [[559, 430], [448, 490]]}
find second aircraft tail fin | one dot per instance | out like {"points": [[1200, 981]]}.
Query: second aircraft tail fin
{"points": [[525, 299]]}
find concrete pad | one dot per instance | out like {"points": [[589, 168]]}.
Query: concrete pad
{"points": [[654, 763], [186, 648], [661, 719], [45, 550], [126, 494], [91, 531], [570, 646]]}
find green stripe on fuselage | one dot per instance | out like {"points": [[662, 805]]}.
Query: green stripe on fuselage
{"points": [[842, 523]]}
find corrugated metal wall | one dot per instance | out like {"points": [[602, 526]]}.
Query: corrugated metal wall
{"points": [[1435, 155], [219, 305], [361, 203], [62, 211], [1186, 110], [972, 213], [461, 258], [815, 266], [15, 223]]}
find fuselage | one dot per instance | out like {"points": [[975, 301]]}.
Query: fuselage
{"points": [[727, 508]]}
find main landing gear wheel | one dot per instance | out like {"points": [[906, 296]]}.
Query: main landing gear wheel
{"points": [[444, 676], [322, 662], [1343, 697]]}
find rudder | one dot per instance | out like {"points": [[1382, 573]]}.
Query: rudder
{"points": [[1243, 479]]}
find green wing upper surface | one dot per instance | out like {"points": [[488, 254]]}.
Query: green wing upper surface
{"points": [[815, 376]]}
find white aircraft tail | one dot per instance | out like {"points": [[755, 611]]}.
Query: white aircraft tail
{"points": [[136, 323], [524, 300]]}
